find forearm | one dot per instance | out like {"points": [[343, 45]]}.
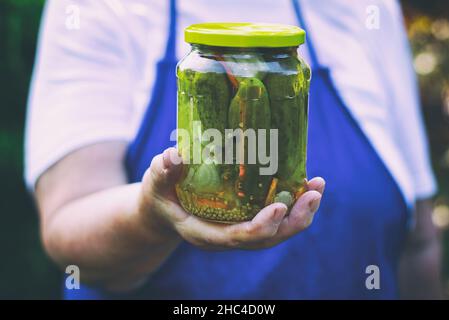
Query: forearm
{"points": [[118, 234], [105, 236], [420, 266]]}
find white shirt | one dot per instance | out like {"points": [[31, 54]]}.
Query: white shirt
{"points": [[96, 60]]}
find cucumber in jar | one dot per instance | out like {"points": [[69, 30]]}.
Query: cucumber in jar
{"points": [[204, 97], [250, 109], [287, 90]]}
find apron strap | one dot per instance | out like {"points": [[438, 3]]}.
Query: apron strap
{"points": [[160, 115], [312, 52], [170, 50]]}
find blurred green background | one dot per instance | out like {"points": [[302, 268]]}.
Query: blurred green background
{"points": [[26, 272]]}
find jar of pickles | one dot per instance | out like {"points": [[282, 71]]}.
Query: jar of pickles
{"points": [[242, 119]]}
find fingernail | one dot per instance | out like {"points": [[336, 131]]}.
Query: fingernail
{"points": [[314, 204], [280, 213], [166, 159]]}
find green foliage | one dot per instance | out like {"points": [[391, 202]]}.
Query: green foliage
{"points": [[429, 38], [25, 271]]}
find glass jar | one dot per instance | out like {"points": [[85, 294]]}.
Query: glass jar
{"points": [[242, 119]]}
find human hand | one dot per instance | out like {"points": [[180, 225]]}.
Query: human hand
{"points": [[271, 226]]}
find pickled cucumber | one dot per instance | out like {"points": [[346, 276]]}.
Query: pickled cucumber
{"points": [[250, 109], [289, 116], [211, 92], [202, 97]]}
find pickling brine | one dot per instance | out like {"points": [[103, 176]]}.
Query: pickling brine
{"points": [[242, 119]]}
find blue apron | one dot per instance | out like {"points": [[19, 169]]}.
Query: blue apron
{"points": [[361, 221]]}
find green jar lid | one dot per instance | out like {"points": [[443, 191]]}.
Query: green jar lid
{"points": [[245, 35]]}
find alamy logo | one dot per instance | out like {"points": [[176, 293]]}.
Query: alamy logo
{"points": [[250, 146], [372, 282], [72, 282], [372, 21], [73, 19]]}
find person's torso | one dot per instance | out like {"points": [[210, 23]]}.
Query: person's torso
{"points": [[354, 53], [361, 221]]}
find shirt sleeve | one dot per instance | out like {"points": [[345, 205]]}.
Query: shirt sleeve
{"points": [[410, 133], [80, 91]]}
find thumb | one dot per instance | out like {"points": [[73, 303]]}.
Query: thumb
{"points": [[164, 171]]}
